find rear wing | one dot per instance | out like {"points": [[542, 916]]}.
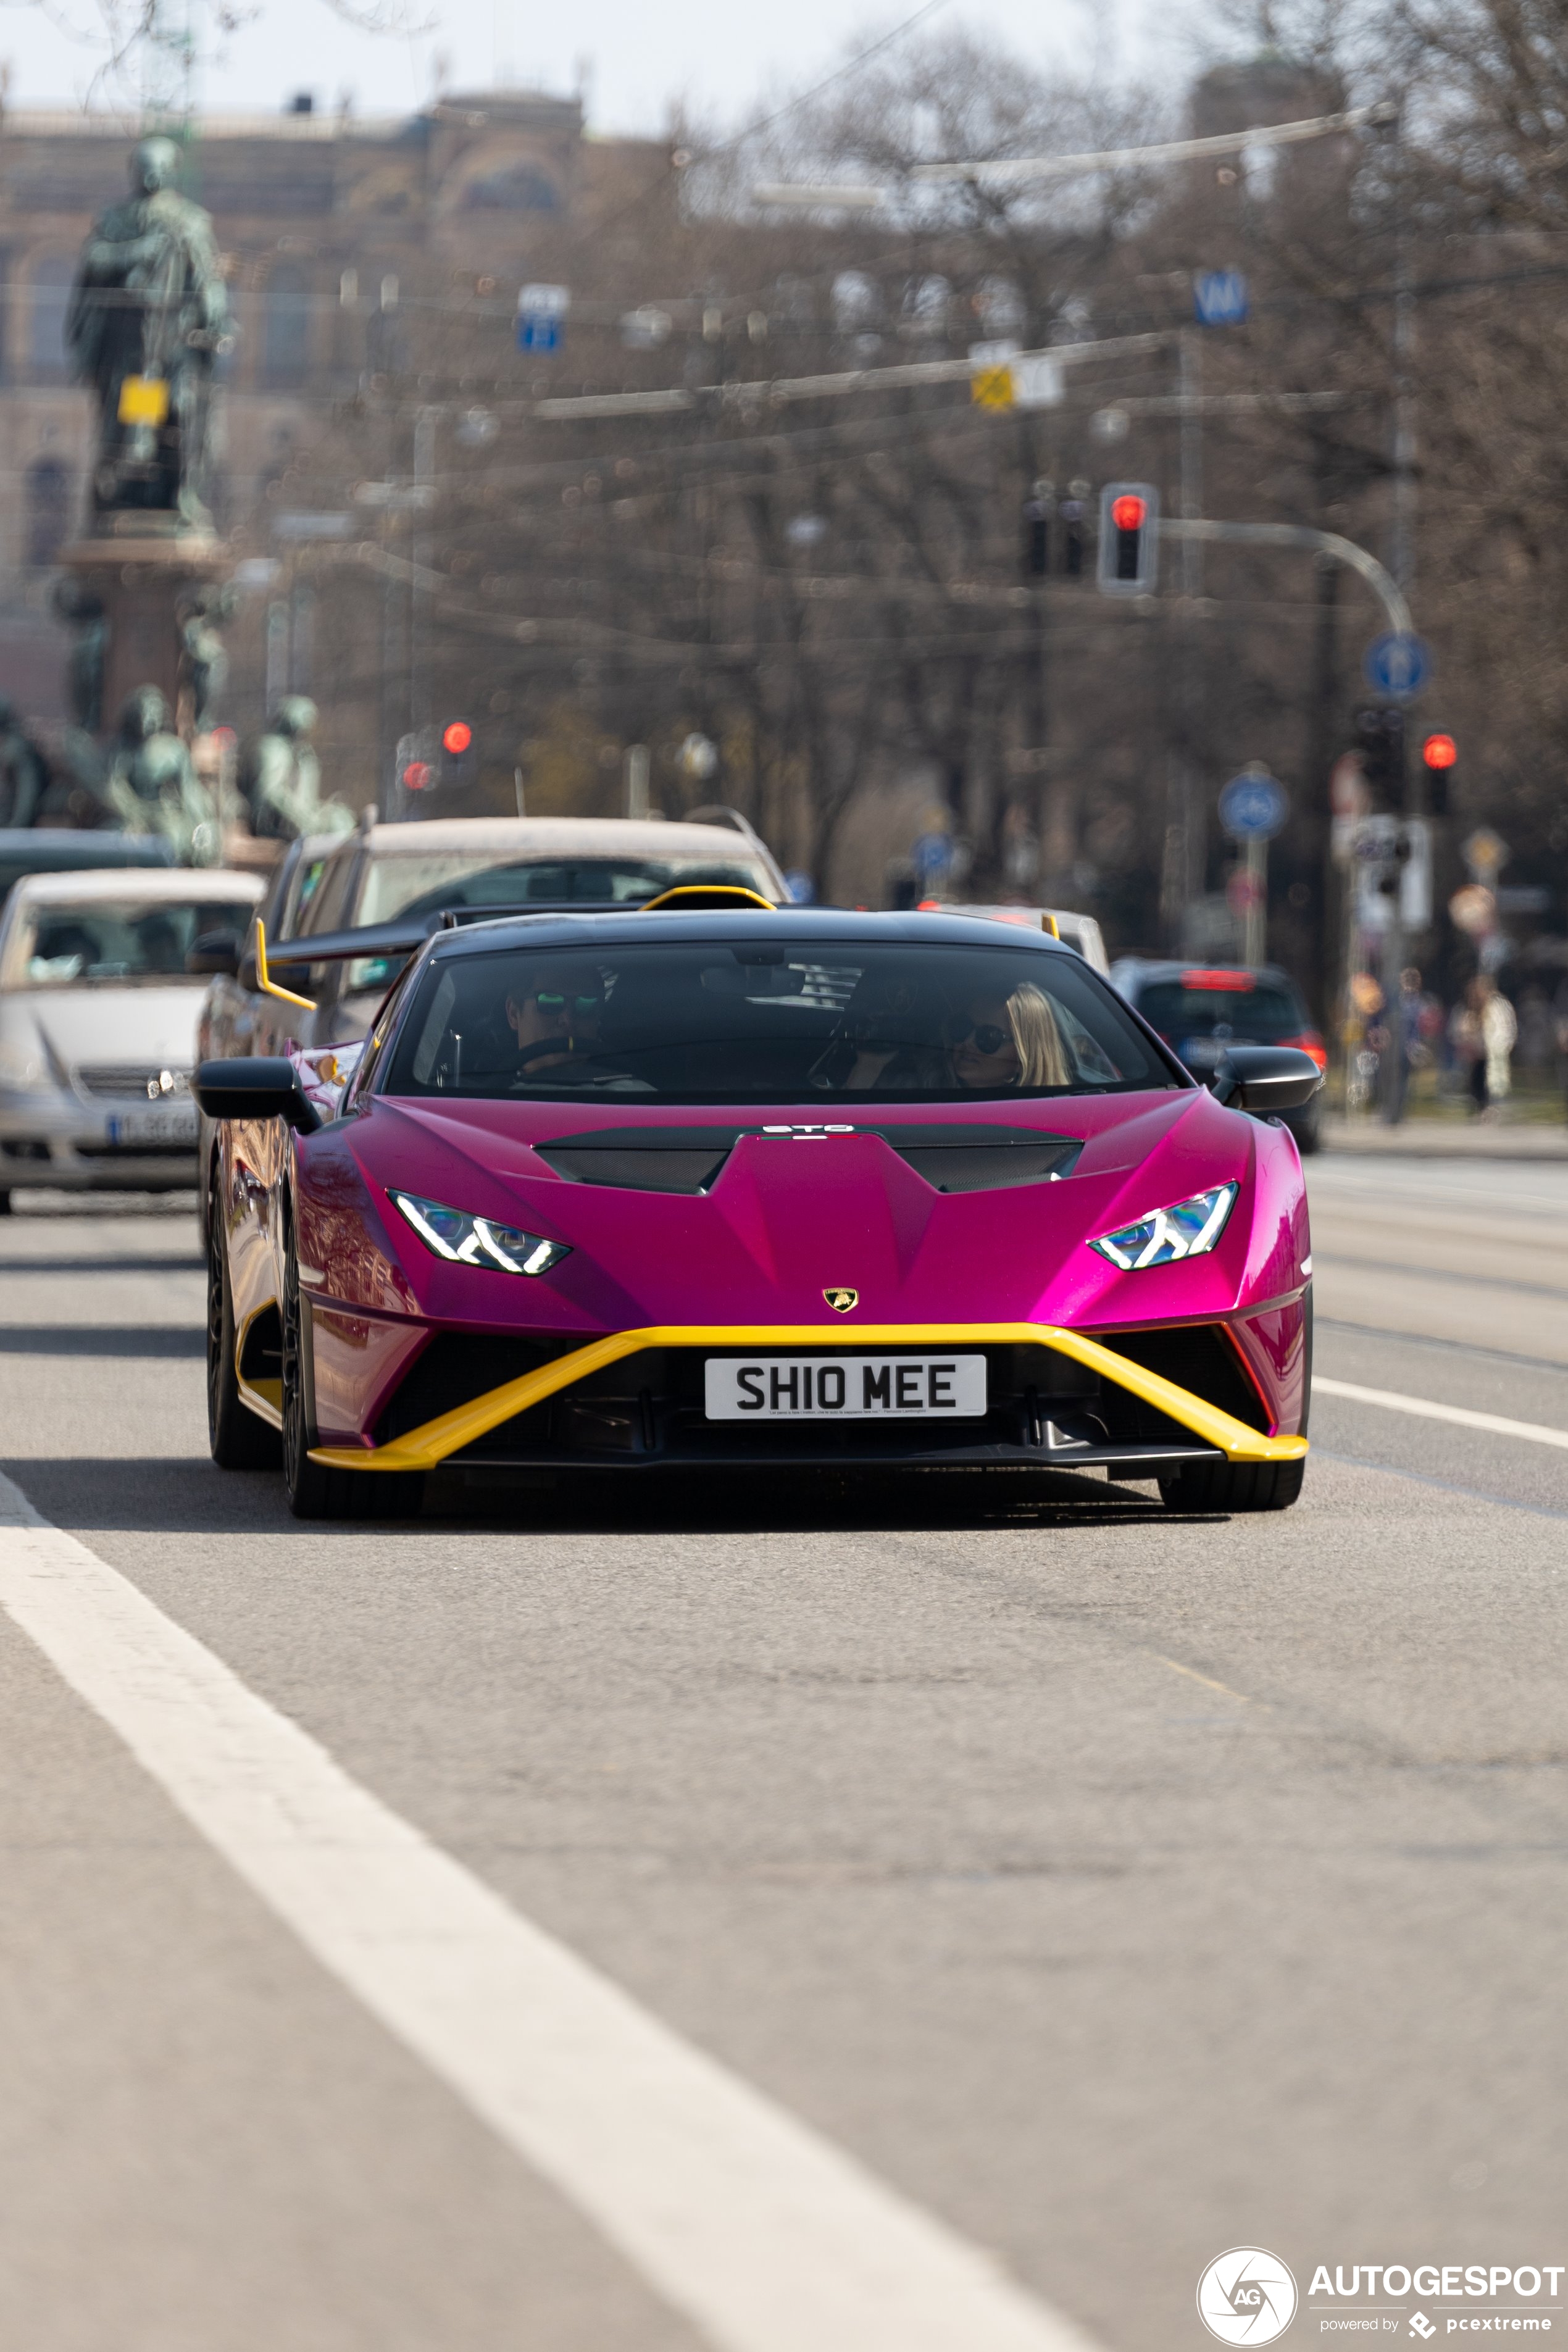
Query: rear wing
{"points": [[387, 942]]}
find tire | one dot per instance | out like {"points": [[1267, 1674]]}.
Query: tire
{"points": [[238, 1438], [315, 1490], [1234, 1486]]}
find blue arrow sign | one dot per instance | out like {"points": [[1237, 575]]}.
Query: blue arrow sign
{"points": [[1398, 665], [1220, 298], [1253, 805]]}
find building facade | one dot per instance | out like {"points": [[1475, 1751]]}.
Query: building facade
{"points": [[330, 226]]}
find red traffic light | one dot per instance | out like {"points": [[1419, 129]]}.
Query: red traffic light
{"points": [[417, 776], [456, 737], [1439, 751], [1128, 513]]}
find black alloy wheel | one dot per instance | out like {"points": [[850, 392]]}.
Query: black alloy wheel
{"points": [[239, 1439], [315, 1490]]}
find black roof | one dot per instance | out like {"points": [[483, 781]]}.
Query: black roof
{"points": [[1170, 968], [790, 926]]}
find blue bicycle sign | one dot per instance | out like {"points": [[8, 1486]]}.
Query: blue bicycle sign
{"points": [[1398, 665], [1253, 805]]}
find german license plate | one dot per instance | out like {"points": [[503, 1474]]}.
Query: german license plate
{"points": [[175, 1126], [844, 1388]]}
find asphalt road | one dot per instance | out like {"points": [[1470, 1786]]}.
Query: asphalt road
{"points": [[1118, 1888]]}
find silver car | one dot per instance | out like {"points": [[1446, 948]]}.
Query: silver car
{"points": [[98, 1025]]}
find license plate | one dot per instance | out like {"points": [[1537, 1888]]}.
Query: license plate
{"points": [[176, 1125], [1201, 1053], [844, 1388]]}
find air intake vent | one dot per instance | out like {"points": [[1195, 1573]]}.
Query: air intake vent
{"points": [[644, 1159], [983, 1159]]}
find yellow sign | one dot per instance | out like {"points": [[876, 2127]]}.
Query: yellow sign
{"points": [[144, 400], [992, 387]]}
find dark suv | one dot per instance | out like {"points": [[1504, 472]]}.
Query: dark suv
{"points": [[1200, 1009]]}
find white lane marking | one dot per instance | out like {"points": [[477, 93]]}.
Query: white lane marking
{"points": [[762, 2232], [1425, 1408]]}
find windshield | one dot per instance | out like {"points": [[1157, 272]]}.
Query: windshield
{"points": [[117, 943], [773, 1020], [1264, 1011], [422, 885]]}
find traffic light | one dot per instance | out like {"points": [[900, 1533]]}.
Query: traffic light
{"points": [[1379, 739], [1129, 539], [459, 761], [1037, 538], [1440, 757]]}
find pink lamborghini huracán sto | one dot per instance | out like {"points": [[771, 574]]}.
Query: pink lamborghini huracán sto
{"points": [[714, 1186]]}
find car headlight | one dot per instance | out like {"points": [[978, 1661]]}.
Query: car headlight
{"points": [[1189, 1230], [20, 1066], [463, 1240]]}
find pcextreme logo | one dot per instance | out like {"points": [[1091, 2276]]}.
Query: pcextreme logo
{"points": [[1247, 2296]]}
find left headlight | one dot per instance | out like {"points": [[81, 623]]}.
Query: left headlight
{"points": [[463, 1240], [1189, 1230]]}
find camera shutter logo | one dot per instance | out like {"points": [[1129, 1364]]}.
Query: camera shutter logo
{"points": [[1247, 2296]]}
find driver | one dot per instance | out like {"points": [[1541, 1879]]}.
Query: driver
{"points": [[554, 1013]]}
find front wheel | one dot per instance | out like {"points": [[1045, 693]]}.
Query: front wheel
{"points": [[1234, 1486], [316, 1491], [238, 1438]]}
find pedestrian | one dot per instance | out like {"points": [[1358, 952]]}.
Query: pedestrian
{"points": [[1469, 1047], [1499, 1034], [1405, 1041]]}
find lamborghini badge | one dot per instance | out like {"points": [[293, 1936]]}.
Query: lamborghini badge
{"points": [[841, 1301]]}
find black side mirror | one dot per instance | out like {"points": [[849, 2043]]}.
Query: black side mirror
{"points": [[260, 1085], [214, 955], [1264, 1079]]}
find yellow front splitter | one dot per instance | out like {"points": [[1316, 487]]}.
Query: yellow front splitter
{"points": [[426, 1447]]}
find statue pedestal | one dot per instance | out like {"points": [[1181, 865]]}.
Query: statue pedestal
{"points": [[139, 580]]}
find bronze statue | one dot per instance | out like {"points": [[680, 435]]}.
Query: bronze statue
{"points": [[24, 770], [151, 786], [281, 779], [149, 316]]}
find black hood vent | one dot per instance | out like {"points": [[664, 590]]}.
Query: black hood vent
{"points": [[644, 1159], [983, 1159]]}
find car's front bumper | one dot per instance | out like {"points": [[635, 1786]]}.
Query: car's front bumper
{"points": [[1090, 1406], [55, 1138]]}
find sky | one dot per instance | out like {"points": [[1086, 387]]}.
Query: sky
{"points": [[630, 59]]}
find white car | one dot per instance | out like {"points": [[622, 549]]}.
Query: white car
{"points": [[1079, 932], [98, 1025]]}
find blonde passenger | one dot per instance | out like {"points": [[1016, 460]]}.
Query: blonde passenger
{"points": [[1008, 1041], [1042, 1058]]}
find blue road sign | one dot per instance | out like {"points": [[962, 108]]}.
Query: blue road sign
{"points": [[540, 317], [801, 887], [1253, 805], [1398, 665], [1220, 298]]}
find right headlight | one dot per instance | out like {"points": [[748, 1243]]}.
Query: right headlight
{"points": [[20, 1066], [465, 1240], [1189, 1230]]}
